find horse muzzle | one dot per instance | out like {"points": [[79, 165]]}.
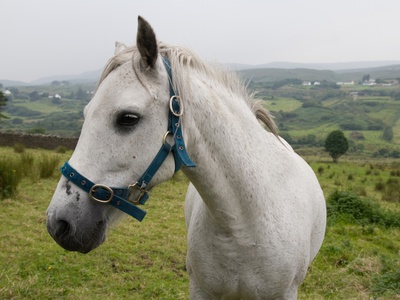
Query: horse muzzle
{"points": [[74, 221], [71, 239]]}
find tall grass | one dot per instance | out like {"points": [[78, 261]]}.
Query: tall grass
{"points": [[27, 162], [14, 169], [10, 176], [47, 164]]}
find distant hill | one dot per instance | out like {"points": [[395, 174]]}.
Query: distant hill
{"points": [[8, 83], [272, 75], [91, 76], [316, 66], [266, 72]]}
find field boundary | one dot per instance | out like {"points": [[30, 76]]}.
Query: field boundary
{"points": [[36, 140]]}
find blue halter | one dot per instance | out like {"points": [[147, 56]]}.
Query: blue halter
{"points": [[120, 197]]}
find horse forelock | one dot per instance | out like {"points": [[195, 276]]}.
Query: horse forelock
{"points": [[182, 61]]}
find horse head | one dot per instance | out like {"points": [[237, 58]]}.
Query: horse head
{"points": [[124, 125]]}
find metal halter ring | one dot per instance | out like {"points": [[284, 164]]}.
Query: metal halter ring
{"points": [[177, 98], [164, 140], [108, 189]]}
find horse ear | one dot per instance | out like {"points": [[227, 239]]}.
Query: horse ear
{"points": [[147, 44], [119, 47]]}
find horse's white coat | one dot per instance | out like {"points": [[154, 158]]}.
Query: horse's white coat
{"points": [[255, 212], [260, 219]]}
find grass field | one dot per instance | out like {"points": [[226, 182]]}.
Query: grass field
{"points": [[146, 260], [44, 106]]}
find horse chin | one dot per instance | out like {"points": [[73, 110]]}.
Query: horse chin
{"points": [[72, 244]]}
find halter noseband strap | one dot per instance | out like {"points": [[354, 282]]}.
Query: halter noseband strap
{"points": [[120, 197]]}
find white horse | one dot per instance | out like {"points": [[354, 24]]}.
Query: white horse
{"points": [[255, 212]]}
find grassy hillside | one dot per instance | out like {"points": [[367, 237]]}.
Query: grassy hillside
{"points": [[359, 258], [36, 109], [305, 115]]}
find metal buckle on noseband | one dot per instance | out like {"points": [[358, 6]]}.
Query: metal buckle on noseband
{"points": [[142, 192], [108, 189]]}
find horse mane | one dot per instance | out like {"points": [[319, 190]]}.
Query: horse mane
{"points": [[180, 57]]}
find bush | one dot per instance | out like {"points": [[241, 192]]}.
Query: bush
{"points": [[19, 148], [391, 192], [379, 186], [27, 161], [10, 176], [47, 165], [60, 149], [320, 170], [342, 205]]}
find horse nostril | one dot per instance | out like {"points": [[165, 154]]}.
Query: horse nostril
{"points": [[62, 228]]}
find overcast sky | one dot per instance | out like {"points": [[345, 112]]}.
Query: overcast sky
{"points": [[53, 37]]}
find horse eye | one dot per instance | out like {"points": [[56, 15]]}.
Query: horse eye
{"points": [[127, 119]]}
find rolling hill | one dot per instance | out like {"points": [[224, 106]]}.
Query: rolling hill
{"points": [[305, 114], [265, 72], [273, 75]]}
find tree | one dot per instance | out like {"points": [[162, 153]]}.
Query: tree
{"points": [[33, 96], [388, 134], [3, 102], [336, 144], [365, 78]]}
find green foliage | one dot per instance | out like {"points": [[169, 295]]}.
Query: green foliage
{"points": [[10, 176], [391, 190], [25, 165], [60, 149], [336, 144], [47, 164], [343, 205], [3, 102], [388, 278], [39, 130], [34, 96], [19, 148], [388, 134], [22, 111]]}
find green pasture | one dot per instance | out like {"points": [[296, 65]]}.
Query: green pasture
{"points": [[358, 260], [284, 104], [44, 106]]}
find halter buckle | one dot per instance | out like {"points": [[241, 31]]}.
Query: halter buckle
{"points": [[108, 189], [142, 192]]}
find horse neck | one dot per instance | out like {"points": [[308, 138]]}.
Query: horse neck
{"points": [[225, 140]]}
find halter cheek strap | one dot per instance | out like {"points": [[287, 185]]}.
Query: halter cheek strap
{"points": [[121, 197]]}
